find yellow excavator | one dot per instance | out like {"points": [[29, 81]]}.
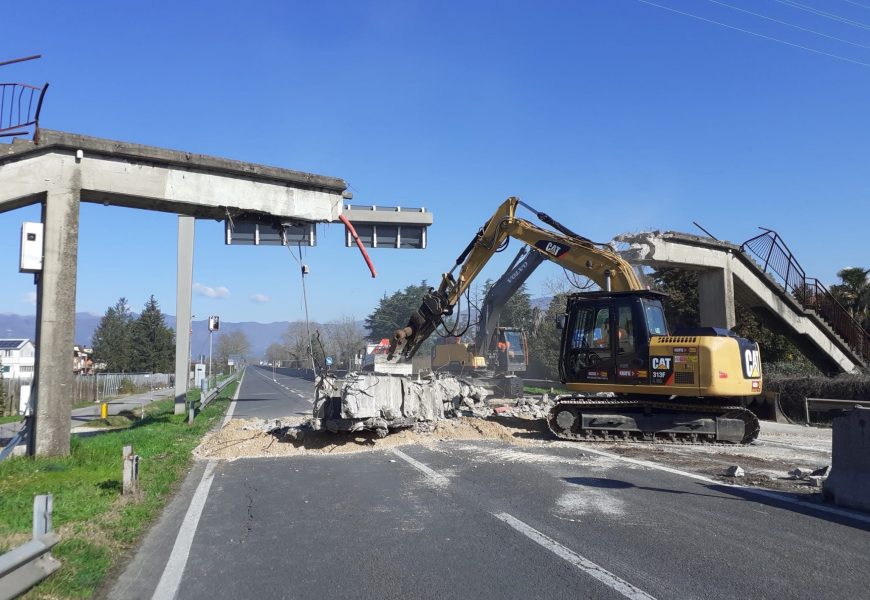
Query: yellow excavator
{"points": [[630, 377]]}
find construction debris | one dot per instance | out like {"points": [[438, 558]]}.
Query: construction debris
{"points": [[735, 471], [382, 402], [258, 438]]}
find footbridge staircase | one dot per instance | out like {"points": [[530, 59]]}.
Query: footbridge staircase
{"points": [[762, 274]]}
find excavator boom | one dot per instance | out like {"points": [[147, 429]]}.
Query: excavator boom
{"points": [[564, 247]]}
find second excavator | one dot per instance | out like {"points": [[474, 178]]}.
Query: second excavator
{"points": [[630, 377]]}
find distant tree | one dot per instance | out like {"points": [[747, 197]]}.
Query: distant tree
{"points": [[276, 353], [517, 311], [393, 311], [112, 338], [296, 344], [545, 340], [2, 394], [153, 343], [232, 344], [347, 338], [853, 292]]}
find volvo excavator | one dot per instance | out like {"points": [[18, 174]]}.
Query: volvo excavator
{"points": [[498, 355], [630, 377]]}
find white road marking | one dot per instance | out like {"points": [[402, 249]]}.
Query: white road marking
{"points": [[435, 476], [584, 564], [232, 407], [779, 497], [587, 566], [167, 587]]}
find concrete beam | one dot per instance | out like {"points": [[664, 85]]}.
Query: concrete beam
{"points": [[137, 176]]}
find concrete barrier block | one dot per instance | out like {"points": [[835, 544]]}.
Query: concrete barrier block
{"points": [[849, 482]]}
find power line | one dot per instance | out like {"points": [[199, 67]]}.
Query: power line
{"points": [[760, 35], [813, 31], [822, 13], [857, 4]]}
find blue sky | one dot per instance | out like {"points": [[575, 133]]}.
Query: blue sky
{"points": [[610, 115]]}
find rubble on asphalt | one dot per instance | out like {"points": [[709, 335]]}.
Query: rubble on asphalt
{"points": [[384, 402], [735, 471]]}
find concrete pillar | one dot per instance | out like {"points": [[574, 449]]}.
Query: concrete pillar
{"points": [[716, 298], [184, 285], [55, 323]]}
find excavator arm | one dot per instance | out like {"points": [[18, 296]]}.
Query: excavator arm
{"points": [[564, 247]]}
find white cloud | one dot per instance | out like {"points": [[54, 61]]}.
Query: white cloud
{"points": [[210, 292], [29, 298], [260, 298]]}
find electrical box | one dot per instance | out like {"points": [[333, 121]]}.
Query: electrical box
{"points": [[214, 323], [31, 247]]}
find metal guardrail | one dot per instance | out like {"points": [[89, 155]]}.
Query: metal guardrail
{"points": [[831, 404], [30, 563], [778, 259], [210, 395]]}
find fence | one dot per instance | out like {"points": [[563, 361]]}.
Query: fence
{"points": [[770, 249], [93, 388]]}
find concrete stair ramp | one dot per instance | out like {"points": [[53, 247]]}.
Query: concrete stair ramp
{"points": [[791, 304]]}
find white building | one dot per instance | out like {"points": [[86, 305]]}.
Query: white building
{"points": [[17, 358]]}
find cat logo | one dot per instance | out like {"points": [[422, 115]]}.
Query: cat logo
{"points": [[751, 363], [661, 363], [552, 248]]}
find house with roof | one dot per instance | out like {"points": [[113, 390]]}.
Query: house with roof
{"points": [[17, 358]]}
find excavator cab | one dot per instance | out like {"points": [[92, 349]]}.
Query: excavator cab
{"points": [[607, 336], [510, 350]]}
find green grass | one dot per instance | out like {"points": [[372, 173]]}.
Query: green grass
{"points": [[10, 419], [528, 389], [96, 525]]}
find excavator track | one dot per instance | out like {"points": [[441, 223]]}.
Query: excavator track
{"points": [[586, 419]]}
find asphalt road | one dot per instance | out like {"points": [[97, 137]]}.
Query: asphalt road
{"points": [[263, 397], [485, 520]]}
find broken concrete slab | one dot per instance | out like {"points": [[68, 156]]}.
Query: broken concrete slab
{"points": [[735, 471], [383, 402]]}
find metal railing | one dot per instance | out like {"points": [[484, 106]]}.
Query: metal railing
{"points": [[771, 250], [23, 567], [20, 106]]}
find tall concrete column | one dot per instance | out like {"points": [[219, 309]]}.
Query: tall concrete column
{"points": [[716, 298], [184, 285], [56, 312]]}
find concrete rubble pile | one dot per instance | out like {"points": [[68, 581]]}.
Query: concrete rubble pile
{"points": [[386, 402]]}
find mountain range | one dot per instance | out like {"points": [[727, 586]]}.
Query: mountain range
{"points": [[261, 335]]}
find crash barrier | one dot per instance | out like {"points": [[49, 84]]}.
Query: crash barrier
{"points": [[30, 563], [826, 405], [209, 395], [849, 482], [301, 373]]}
